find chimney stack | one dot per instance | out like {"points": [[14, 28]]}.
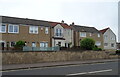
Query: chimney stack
{"points": [[73, 23], [62, 21]]}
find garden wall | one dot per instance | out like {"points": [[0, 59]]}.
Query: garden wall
{"points": [[37, 57]]}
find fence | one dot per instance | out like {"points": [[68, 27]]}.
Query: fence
{"points": [[26, 48]]}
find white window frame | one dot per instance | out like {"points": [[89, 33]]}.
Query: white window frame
{"points": [[1, 28], [112, 44], [105, 37], [34, 28], [106, 44], [59, 32], [11, 42], [43, 44], [98, 43], [98, 35], [112, 38], [34, 44], [13, 28], [82, 34], [46, 30]]}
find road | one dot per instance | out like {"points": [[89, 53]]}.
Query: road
{"points": [[107, 68]]}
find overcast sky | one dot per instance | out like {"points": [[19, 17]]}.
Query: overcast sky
{"points": [[97, 13]]}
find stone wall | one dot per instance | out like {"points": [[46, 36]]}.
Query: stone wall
{"points": [[37, 57]]}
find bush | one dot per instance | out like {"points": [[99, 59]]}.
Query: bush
{"points": [[96, 48], [117, 51], [87, 44], [19, 45]]}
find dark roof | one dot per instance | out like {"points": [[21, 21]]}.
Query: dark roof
{"points": [[64, 25], [104, 30], [84, 29], [26, 21], [60, 38]]}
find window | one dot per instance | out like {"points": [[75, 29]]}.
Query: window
{"points": [[13, 28], [90, 34], [43, 44], [2, 28], [82, 34], [112, 38], [12, 44], [98, 43], [58, 32], [112, 45], [33, 44], [105, 36], [46, 30], [98, 35], [33, 29], [105, 44]]}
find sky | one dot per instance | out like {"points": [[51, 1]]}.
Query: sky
{"points": [[94, 13]]}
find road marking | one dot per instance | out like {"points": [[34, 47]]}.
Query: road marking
{"points": [[83, 73], [48, 67], [100, 71]]}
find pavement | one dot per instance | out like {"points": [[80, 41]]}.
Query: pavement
{"points": [[52, 64]]}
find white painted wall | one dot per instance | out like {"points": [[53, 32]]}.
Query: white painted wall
{"points": [[111, 38], [67, 34]]}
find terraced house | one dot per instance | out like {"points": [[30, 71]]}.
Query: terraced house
{"points": [[36, 33], [81, 32], [61, 34]]}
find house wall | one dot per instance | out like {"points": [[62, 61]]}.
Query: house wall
{"points": [[94, 36], [67, 34], [24, 35], [109, 40]]}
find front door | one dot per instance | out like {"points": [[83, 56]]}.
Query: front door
{"points": [[2, 45]]}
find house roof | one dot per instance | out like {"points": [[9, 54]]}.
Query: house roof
{"points": [[26, 21], [84, 29], [64, 25], [104, 30]]}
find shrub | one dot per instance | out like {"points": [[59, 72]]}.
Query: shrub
{"points": [[19, 45], [117, 51], [97, 49], [87, 43]]}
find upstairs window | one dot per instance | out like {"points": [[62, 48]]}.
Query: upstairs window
{"points": [[98, 35], [13, 28], [33, 29], [58, 32], [46, 30], [90, 34], [105, 37], [82, 34], [112, 38], [2, 28]]}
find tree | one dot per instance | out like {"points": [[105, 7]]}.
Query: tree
{"points": [[87, 44]]}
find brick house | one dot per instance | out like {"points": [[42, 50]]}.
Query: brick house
{"points": [[109, 39], [81, 32], [36, 33], [62, 34]]}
